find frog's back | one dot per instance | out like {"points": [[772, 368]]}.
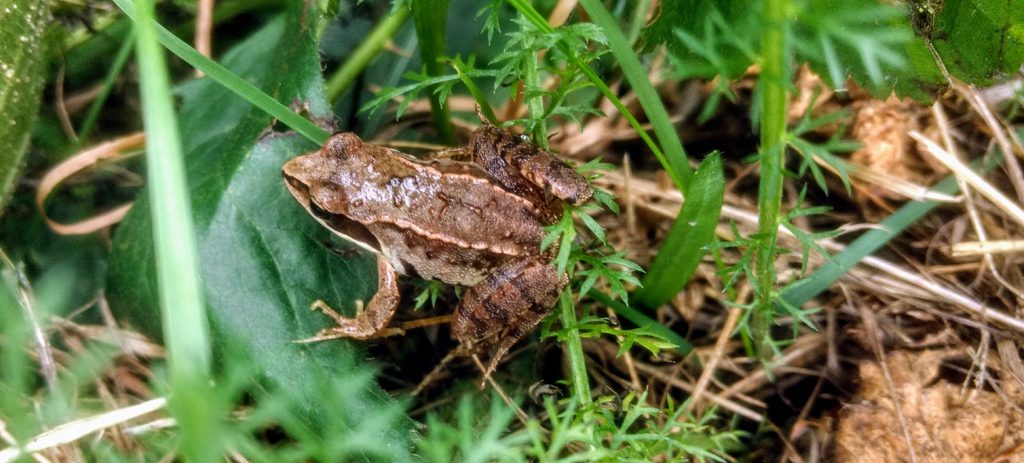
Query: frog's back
{"points": [[448, 202]]}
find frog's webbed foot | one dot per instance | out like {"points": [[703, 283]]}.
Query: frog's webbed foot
{"points": [[506, 305], [370, 322]]}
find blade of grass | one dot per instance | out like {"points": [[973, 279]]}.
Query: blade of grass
{"points": [[232, 82], [108, 84], [181, 300], [431, 19], [675, 157], [680, 177], [871, 241], [363, 55], [692, 230]]}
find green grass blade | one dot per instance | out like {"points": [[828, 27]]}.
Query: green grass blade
{"points": [[634, 72], [181, 300], [233, 82], [22, 74], [431, 19], [691, 232], [871, 241], [108, 84], [343, 78]]}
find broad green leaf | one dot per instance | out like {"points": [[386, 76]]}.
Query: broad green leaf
{"points": [[980, 39], [263, 259], [22, 73], [692, 230]]}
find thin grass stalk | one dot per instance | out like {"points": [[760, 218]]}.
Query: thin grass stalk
{"points": [[181, 300], [363, 55], [773, 134], [232, 81], [674, 161], [108, 84]]}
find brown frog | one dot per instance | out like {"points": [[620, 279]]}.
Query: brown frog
{"points": [[474, 220]]}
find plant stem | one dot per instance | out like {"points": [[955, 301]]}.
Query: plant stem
{"points": [[342, 79], [431, 18], [574, 347], [535, 103], [181, 299], [774, 76]]}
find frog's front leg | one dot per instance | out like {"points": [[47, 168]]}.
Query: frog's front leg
{"points": [[506, 305], [373, 320]]}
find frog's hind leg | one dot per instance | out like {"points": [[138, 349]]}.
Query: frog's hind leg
{"points": [[373, 320], [506, 306]]}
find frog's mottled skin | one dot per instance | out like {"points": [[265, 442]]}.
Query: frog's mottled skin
{"points": [[476, 223]]}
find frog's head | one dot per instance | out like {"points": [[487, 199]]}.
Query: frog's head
{"points": [[313, 178]]}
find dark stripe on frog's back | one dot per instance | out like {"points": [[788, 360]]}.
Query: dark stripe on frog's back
{"points": [[450, 201], [417, 256]]}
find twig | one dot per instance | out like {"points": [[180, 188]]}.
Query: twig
{"points": [[204, 30], [979, 105], [802, 347], [973, 179], [105, 151], [61, 109], [973, 248], [26, 302], [523, 417], [720, 344]]}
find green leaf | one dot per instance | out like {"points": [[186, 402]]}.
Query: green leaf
{"points": [[689, 16], [22, 73], [263, 260], [692, 231], [980, 39]]}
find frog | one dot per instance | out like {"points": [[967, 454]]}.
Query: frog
{"points": [[472, 217]]}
